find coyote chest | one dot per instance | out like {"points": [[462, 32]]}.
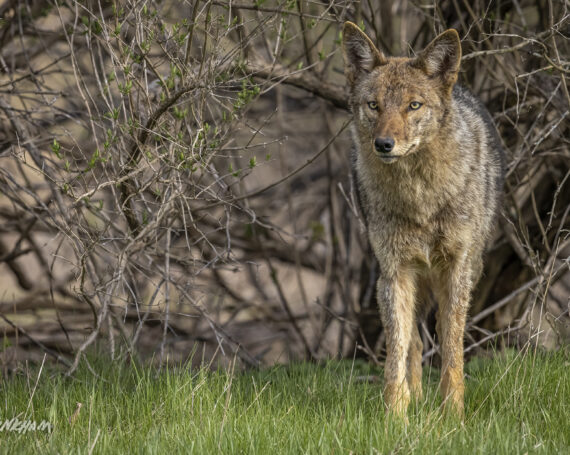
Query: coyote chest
{"points": [[412, 215]]}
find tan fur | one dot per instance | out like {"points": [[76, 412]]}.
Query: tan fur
{"points": [[429, 197]]}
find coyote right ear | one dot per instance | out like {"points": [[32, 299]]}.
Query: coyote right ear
{"points": [[360, 54]]}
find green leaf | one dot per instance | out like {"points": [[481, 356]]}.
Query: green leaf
{"points": [[55, 148]]}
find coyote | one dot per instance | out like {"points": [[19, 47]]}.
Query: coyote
{"points": [[429, 171]]}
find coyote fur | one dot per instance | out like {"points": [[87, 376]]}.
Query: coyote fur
{"points": [[429, 171]]}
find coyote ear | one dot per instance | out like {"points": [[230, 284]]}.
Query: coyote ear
{"points": [[360, 54], [441, 57]]}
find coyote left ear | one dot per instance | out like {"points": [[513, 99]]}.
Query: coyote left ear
{"points": [[441, 57]]}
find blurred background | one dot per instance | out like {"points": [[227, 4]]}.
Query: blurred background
{"points": [[175, 178]]}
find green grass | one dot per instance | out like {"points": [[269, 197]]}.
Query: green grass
{"points": [[514, 404]]}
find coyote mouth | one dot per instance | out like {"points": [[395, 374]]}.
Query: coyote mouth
{"points": [[389, 158]]}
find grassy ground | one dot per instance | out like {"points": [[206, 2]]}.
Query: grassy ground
{"points": [[514, 404]]}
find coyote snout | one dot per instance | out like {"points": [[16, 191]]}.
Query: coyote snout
{"points": [[384, 144], [429, 172]]}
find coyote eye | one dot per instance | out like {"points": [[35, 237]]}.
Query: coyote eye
{"points": [[373, 105], [415, 105]]}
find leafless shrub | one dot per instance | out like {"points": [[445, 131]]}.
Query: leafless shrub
{"points": [[175, 176]]}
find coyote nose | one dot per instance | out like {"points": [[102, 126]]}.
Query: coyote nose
{"points": [[384, 144]]}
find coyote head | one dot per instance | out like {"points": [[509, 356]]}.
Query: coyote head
{"points": [[399, 104]]}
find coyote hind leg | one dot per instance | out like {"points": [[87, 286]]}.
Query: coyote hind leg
{"points": [[414, 373]]}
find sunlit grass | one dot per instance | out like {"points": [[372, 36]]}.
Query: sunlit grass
{"points": [[514, 404]]}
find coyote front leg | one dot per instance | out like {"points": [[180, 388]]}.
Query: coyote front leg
{"points": [[396, 299], [453, 292]]}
